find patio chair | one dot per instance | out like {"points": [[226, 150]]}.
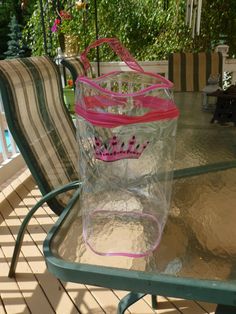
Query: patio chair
{"points": [[76, 68], [43, 131], [190, 71]]}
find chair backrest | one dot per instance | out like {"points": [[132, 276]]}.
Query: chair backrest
{"points": [[190, 71], [76, 68], [40, 123]]}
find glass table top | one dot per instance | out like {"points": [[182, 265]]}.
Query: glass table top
{"points": [[198, 239], [198, 141]]}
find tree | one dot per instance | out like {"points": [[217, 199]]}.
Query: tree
{"points": [[218, 25], [15, 46], [150, 29], [7, 9], [5, 14]]}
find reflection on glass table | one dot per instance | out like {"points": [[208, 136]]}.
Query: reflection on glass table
{"points": [[198, 141], [197, 254]]}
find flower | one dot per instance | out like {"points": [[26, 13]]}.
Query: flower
{"points": [[70, 83], [67, 20], [54, 28], [58, 22], [65, 15]]}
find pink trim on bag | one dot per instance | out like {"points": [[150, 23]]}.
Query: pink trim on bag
{"points": [[160, 109], [134, 255], [110, 120]]}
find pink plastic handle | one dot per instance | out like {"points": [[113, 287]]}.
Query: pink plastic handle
{"points": [[118, 48]]}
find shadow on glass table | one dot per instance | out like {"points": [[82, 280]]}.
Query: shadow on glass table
{"points": [[197, 254]]}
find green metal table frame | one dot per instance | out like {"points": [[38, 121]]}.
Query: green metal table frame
{"points": [[141, 282]]}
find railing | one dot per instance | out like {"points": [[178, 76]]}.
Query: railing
{"points": [[160, 67], [11, 161]]}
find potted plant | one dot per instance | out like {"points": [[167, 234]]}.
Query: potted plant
{"points": [[67, 25]]}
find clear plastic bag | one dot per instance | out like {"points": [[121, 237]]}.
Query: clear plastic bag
{"points": [[126, 134]]}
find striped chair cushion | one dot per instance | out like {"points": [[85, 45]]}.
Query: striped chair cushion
{"points": [[39, 122], [190, 71]]}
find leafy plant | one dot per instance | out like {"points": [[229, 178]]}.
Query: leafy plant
{"points": [[150, 29]]}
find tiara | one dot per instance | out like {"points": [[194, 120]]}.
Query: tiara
{"points": [[114, 149]]}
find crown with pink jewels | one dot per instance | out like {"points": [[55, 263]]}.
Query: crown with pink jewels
{"points": [[114, 149]]}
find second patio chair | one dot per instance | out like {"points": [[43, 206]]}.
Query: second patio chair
{"points": [[76, 68], [190, 71], [43, 131]]}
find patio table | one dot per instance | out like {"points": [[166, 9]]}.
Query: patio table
{"points": [[197, 254]]}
